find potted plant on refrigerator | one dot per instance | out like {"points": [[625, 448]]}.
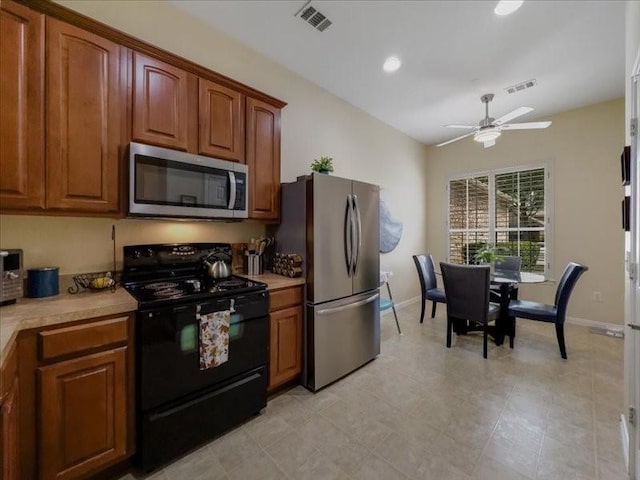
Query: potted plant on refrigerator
{"points": [[322, 165]]}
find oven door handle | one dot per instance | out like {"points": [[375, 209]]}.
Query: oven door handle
{"points": [[232, 190]]}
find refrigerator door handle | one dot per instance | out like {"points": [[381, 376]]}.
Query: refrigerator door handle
{"points": [[328, 311], [348, 234], [356, 208], [353, 236]]}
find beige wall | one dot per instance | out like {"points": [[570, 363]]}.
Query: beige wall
{"points": [[314, 123], [582, 148], [80, 245]]}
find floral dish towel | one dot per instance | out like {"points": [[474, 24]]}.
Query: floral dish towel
{"points": [[214, 339]]}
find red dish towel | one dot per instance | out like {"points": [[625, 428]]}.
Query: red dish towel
{"points": [[214, 339]]}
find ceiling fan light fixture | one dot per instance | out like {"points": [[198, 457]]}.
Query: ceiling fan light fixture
{"points": [[506, 7], [391, 64], [487, 134]]}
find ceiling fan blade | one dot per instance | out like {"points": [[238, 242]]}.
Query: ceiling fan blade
{"points": [[455, 125], [489, 143], [525, 126], [455, 139], [518, 112]]}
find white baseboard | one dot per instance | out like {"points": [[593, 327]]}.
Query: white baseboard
{"points": [[592, 323], [573, 320]]}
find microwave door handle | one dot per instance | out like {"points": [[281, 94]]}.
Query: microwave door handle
{"points": [[232, 190]]}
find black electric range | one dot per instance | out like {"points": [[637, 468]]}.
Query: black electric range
{"points": [[176, 400]]}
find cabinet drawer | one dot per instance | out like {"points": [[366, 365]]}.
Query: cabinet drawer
{"points": [[287, 297], [80, 338]]}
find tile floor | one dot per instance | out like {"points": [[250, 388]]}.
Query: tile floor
{"points": [[420, 411]]}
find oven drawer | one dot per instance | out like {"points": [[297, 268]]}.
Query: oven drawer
{"points": [[168, 432], [81, 338]]}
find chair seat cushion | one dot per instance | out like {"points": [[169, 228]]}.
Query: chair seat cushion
{"points": [[533, 310], [436, 295]]}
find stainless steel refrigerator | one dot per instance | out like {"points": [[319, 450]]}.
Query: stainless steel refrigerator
{"points": [[333, 223]]}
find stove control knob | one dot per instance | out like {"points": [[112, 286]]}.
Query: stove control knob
{"points": [[136, 254], [149, 253]]}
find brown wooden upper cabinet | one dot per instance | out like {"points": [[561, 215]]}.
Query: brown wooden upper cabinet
{"points": [[162, 104], [22, 112], [84, 114], [263, 159], [221, 121]]}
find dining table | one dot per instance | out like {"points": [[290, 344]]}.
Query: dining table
{"points": [[508, 280]]}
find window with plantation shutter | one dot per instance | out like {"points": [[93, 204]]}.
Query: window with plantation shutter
{"points": [[505, 207]]}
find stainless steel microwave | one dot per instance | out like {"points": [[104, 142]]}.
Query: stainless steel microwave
{"points": [[169, 183]]}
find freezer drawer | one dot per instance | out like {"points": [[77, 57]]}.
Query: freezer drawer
{"points": [[341, 336]]}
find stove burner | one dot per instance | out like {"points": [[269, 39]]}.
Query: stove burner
{"points": [[167, 292], [160, 285]]}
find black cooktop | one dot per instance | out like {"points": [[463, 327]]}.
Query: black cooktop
{"points": [[171, 273], [191, 288]]}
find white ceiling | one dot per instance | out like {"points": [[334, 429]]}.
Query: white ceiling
{"points": [[452, 52]]}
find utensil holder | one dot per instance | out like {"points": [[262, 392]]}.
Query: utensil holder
{"points": [[255, 265]]}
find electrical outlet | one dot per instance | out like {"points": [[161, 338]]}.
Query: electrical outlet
{"points": [[597, 297]]}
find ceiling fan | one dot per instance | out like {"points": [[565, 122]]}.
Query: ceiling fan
{"points": [[490, 128]]}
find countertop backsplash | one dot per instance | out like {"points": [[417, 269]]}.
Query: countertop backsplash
{"points": [[82, 245]]}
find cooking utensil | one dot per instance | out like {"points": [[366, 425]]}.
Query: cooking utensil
{"points": [[217, 268]]}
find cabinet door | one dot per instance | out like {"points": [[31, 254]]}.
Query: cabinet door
{"points": [[221, 115], [22, 107], [160, 103], [84, 111], [263, 159], [286, 345], [83, 414], [10, 434]]}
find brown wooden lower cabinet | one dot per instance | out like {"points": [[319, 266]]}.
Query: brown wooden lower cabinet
{"points": [[83, 412], [9, 429], [75, 416], [285, 362]]}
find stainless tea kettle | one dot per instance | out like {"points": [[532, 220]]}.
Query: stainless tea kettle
{"points": [[217, 268]]}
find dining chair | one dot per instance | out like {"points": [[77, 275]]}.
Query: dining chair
{"points": [[510, 263], [555, 313], [428, 283], [467, 291]]}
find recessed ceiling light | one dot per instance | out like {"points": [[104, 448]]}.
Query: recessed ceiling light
{"points": [[505, 7], [391, 64]]}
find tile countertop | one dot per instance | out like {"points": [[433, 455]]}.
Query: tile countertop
{"points": [[276, 282], [30, 313]]}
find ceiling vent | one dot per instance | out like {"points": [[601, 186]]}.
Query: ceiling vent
{"points": [[313, 17], [521, 86]]}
